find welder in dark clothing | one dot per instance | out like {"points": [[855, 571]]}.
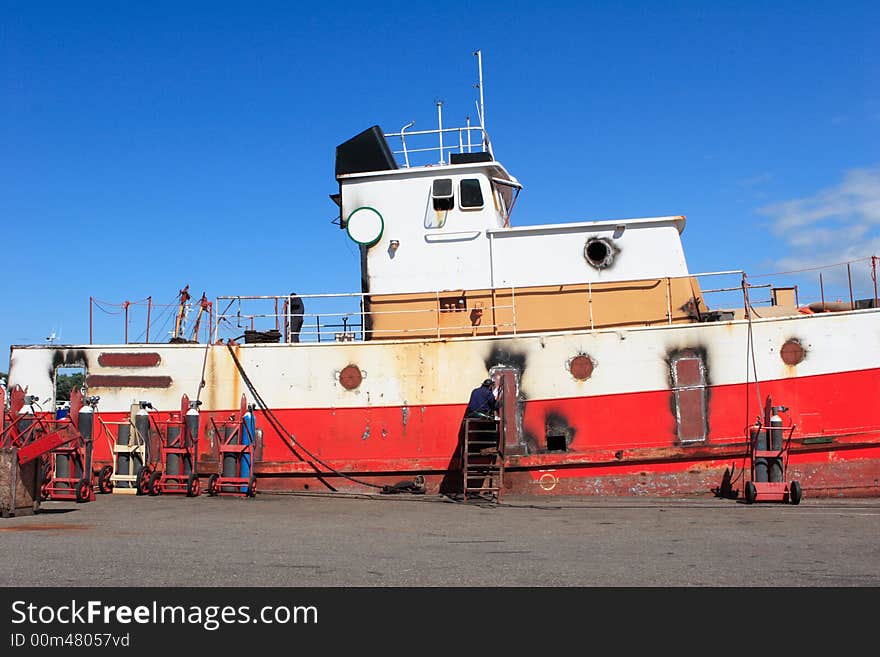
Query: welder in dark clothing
{"points": [[483, 402]]}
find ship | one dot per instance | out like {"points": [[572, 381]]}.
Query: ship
{"points": [[616, 373]]}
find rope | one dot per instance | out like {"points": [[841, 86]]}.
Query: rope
{"points": [[751, 340], [104, 310], [798, 271], [288, 437], [204, 366], [750, 354], [155, 319]]}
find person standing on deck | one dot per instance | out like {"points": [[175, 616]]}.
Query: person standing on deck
{"points": [[483, 402]]}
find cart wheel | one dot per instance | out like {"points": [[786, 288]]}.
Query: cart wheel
{"points": [[105, 483], [213, 485], [751, 492], [143, 480], [155, 486], [252, 487], [193, 486], [83, 490], [795, 493]]}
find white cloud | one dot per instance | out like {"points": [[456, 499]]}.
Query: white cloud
{"points": [[855, 201], [836, 225]]}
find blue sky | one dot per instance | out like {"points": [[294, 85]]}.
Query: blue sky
{"points": [[147, 146]]}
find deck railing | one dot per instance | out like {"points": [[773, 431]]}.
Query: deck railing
{"points": [[344, 317], [442, 141], [349, 316]]}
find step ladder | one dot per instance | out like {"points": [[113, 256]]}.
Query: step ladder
{"points": [[482, 459]]}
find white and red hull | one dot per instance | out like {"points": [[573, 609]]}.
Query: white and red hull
{"points": [[616, 432]]}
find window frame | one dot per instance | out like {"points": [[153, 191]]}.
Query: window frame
{"points": [[461, 194], [450, 197]]}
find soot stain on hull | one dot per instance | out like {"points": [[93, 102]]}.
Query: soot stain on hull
{"points": [[558, 425], [67, 358], [503, 356]]}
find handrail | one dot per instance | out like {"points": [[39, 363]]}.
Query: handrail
{"points": [[315, 326], [465, 144], [356, 315]]}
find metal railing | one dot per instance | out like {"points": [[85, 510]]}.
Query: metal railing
{"points": [[462, 141], [344, 317], [354, 323], [347, 317]]}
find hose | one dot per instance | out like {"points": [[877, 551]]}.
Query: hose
{"points": [[288, 437]]}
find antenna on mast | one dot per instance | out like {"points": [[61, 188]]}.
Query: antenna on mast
{"points": [[481, 109], [479, 55], [439, 104]]}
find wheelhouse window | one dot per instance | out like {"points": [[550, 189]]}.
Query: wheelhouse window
{"points": [[441, 194], [471, 195], [440, 203]]}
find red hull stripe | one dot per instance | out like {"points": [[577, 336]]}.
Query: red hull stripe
{"points": [[835, 442]]}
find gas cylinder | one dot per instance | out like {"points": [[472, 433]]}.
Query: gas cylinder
{"points": [[248, 437], [776, 440], [759, 441], [172, 462], [86, 427], [192, 434], [142, 429], [231, 460], [123, 459]]}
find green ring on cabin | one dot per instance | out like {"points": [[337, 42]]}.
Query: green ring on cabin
{"points": [[381, 226]]}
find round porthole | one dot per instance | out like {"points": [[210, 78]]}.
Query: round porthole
{"points": [[599, 252], [792, 352], [350, 377], [581, 367], [365, 226]]}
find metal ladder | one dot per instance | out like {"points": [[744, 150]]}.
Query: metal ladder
{"points": [[482, 459]]}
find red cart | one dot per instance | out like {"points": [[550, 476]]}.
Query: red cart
{"points": [[177, 468], [67, 469], [236, 446], [768, 457]]}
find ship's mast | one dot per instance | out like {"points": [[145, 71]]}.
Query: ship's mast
{"points": [[481, 109], [440, 126], [181, 314]]}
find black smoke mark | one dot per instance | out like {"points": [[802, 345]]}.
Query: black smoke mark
{"points": [[67, 358], [505, 357], [556, 424]]}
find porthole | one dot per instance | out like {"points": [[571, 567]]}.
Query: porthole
{"points": [[792, 352], [581, 367], [350, 377], [599, 252]]}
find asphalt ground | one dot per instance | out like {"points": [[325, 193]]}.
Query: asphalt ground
{"points": [[332, 540]]}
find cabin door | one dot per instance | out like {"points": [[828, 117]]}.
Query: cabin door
{"points": [[510, 409]]}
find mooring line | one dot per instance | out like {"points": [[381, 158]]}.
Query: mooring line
{"points": [[288, 437]]}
